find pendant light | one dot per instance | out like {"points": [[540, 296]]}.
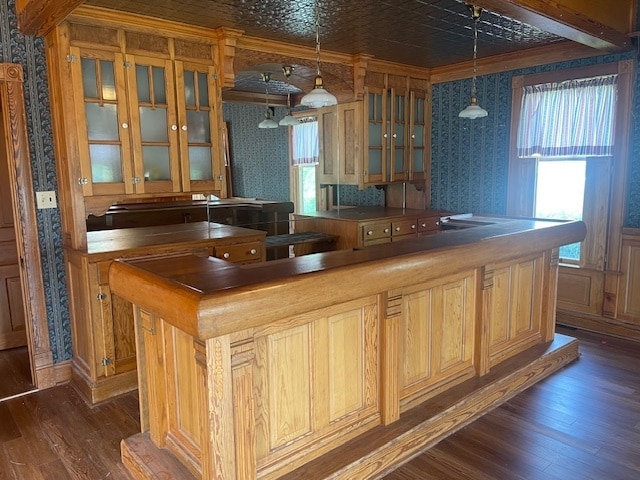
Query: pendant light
{"points": [[319, 96], [474, 110], [268, 122], [288, 119]]}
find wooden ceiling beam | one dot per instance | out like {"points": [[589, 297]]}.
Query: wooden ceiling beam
{"points": [[38, 17], [595, 23]]}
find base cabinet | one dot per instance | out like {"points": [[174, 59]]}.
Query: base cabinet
{"points": [[104, 349]]}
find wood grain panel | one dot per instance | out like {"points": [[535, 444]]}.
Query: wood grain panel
{"points": [[436, 336], [630, 280], [516, 311], [346, 363], [290, 388]]}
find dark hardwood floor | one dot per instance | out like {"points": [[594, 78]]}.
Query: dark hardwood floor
{"points": [[15, 374], [582, 423]]}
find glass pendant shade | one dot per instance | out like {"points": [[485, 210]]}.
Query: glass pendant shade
{"points": [[473, 110], [319, 96], [288, 120], [268, 122]]}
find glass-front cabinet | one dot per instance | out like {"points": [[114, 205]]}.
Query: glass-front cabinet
{"points": [[387, 124], [146, 125], [419, 135]]}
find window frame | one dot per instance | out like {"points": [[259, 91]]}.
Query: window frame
{"points": [[604, 202]]}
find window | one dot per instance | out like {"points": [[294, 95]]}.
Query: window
{"points": [[562, 148], [304, 160], [560, 185]]}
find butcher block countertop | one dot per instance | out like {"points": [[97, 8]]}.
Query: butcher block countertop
{"points": [[290, 286]]}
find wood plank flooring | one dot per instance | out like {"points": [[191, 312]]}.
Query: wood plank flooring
{"points": [[15, 373], [582, 423]]}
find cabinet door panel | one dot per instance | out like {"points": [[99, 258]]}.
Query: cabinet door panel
{"points": [[153, 113], [103, 126], [199, 128]]}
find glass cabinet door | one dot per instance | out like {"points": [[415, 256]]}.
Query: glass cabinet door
{"points": [[103, 125], [152, 110], [200, 146], [375, 132], [418, 141], [398, 115]]}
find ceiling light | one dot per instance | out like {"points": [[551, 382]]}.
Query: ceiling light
{"points": [[288, 119], [474, 110], [319, 96], [268, 122]]}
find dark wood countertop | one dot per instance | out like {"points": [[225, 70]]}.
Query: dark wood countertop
{"points": [[260, 293], [111, 243], [372, 213]]}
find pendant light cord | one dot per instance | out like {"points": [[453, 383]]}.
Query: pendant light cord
{"points": [[475, 54]]}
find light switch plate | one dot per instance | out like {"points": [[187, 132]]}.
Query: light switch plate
{"points": [[46, 200]]}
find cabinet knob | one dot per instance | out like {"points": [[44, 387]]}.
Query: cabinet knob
{"points": [[370, 232], [83, 181], [386, 230], [413, 135], [225, 255], [423, 225], [397, 229], [385, 135], [135, 180], [174, 127], [101, 296], [125, 125], [184, 128], [413, 227], [253, 251], [394, 135]]}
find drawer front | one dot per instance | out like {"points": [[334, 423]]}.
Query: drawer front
{"points": [[240, 252], [428, 225], [404, 227], [373, 233]]}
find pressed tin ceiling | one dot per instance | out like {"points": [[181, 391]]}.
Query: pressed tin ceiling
{"points": [[423, 33]]}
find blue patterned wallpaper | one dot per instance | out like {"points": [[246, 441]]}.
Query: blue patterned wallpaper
{"points": [[29, 52], [259, 157], [470, 158]]}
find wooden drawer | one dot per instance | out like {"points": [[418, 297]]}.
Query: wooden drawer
{"points": [[375, 232], [240, 252], [405, 227], [428, 225]]}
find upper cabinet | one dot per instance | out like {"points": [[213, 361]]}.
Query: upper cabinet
{"points": [[145, 124], [384, 139], [340, 143]]}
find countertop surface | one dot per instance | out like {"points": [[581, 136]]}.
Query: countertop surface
{"points": [[128, 239], [372, 213]]}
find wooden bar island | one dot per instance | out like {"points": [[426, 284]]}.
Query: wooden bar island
{"points": [[341, 364]]}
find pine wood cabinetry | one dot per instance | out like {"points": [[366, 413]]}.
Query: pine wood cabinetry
{"points": [[104, 351], [340, 143], [146, 124], [364, 226], [383, 139], [428, 340]]}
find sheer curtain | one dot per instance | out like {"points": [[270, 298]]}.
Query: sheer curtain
{"points": [[571, 118], [305, 143]]}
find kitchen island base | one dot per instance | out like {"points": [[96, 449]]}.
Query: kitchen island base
{"points": [[344, 364], [385, 448]]}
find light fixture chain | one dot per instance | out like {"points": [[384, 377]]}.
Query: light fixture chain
{"points": [[475, 56], [317, 12]]}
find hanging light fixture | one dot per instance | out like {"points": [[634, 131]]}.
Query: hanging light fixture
{"points": [[474, 110], [268, 122], [319, 96], [288, 118]]}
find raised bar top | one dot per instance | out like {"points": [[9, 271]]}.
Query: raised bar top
{"points": [[207, 297], [372, 213]]}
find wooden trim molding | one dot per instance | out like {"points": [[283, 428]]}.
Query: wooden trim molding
{"points": [[26, 224]]}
